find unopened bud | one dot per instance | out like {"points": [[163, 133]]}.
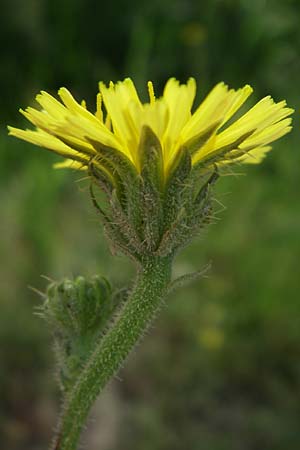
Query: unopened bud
{"points": [[78, 312]]}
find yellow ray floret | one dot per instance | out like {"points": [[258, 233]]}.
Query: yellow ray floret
{"points": [[69, 129]]}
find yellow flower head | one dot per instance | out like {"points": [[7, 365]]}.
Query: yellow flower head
{"points": [[69, 129], [155, 162]]}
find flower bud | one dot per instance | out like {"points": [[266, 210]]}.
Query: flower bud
{"points": [[78, 311], [79, 307]]}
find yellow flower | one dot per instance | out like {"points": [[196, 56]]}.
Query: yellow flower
{"points": [[69, 129]]}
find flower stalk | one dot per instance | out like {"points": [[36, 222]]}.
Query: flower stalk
{"points": [[110, 353]]}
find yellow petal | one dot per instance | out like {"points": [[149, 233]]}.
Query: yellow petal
{"points": [[43, 139], [254, 156], [70, 164], [210, 110]]}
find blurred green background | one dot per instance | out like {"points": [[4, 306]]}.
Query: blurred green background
{"points": [[220, 369]]}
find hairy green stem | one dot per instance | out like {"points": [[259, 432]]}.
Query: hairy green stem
{"points": [[109, 355]]}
